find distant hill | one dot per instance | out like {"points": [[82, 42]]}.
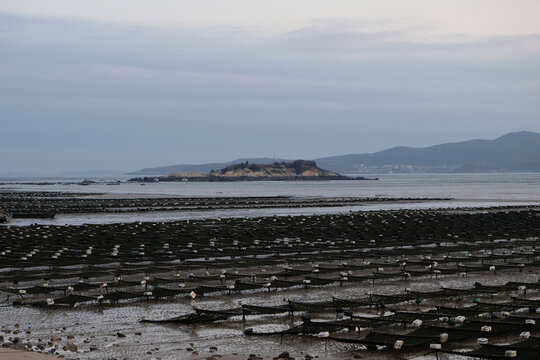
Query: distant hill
{"points": [[202, 168], [518, 151], [296, 170]]}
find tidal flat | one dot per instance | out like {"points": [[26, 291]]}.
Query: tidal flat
{"points": [[377, 284]]}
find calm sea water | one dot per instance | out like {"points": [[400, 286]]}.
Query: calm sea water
{"points": [[466, 190], [507, 187]]}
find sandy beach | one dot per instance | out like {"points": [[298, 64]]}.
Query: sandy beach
{"points": [[13, 354]]}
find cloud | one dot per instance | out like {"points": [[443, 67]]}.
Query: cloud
{"points": [[175, 95]]}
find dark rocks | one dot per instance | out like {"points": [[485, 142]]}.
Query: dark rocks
{"points": [[284, 356], [70, 347]]}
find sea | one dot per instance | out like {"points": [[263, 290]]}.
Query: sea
{"points": [[457, 190]]}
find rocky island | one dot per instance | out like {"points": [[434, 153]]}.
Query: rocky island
{"points": [[277, 171]]}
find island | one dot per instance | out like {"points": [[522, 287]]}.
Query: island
{"points": [[299, 170]]}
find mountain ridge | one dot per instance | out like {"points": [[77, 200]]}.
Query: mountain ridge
{"points": [[516, 151], [509, 152]]}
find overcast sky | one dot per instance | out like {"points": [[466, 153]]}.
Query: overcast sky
{"points": [[122, 85]]}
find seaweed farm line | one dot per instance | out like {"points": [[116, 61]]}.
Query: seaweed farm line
{"points": [[111, 218], [401, 284], [58, 208]]}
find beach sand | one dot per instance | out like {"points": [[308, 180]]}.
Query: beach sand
{"points": [[12, 354]]}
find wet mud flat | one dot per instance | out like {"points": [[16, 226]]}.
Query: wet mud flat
{"points": [[373, 285]]}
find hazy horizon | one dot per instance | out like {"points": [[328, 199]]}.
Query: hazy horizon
{"points": [[93, 86], [77, 173]]}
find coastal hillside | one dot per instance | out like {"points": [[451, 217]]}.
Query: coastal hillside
{"points": [[518, 151], [296, 170]]}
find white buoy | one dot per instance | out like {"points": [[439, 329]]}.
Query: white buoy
{"points": [[482, 341], [443, 337]]}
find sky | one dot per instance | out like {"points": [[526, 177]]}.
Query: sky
{"points": [[123, 85]]}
